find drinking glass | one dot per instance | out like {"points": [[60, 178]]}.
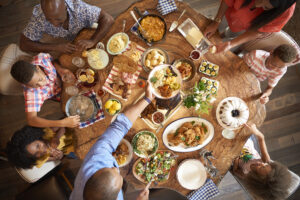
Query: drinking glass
{"points": [[72, 90], [78, 62]]}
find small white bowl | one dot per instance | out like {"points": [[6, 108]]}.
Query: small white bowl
{"points": [[121, 51], [153, 117]]}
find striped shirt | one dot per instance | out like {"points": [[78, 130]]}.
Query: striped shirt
{"points": [[35, 97], [256, 60]]}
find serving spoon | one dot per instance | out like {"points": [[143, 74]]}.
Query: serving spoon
{"points": [[175, 23]]}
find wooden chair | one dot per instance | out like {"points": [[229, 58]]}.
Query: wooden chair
{"points": [[271, 41], [295, 181]]}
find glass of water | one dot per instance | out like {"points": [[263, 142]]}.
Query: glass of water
{"points": [[72, 90], [78, 62]]}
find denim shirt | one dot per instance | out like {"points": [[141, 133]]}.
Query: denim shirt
{"points": [[100, 155]]}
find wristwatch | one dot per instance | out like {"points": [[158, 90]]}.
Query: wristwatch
{"points": [[218, 20]]}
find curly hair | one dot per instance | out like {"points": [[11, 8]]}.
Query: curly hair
{"points": [[22, 71], [274, 186], [16, 147], [286, 53]]}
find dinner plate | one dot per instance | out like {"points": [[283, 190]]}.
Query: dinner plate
{"points": [[218, 111], [172, 127], [175, 63], [129, 156], [178, 78], [191, 174]]}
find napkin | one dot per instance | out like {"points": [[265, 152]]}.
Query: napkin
{"points": [[208, 191], [166, 6], [100, 114]]}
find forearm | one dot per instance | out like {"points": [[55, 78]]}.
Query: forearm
{"points": [[104, 23], [263, 148], [245, 37], [269, 90], [41, 122], [222, 10], [134, 111], [28, 45]]}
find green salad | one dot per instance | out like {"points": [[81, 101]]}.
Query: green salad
{"points": [[156, 168]]}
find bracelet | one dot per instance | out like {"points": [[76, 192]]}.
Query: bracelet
{"points": [[147, 99]]}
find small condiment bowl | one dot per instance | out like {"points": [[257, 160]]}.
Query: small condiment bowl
{"points": [[158, 113]]}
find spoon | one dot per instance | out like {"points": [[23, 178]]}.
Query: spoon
{"points": [[145, 34], [124, 24], [175, 23]]}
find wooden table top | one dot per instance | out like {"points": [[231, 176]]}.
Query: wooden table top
{"points": [[234, 77]]}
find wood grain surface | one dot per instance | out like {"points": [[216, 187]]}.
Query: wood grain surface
{"points": [[234, 77]]}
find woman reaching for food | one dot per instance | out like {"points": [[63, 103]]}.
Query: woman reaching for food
{"points": [[254, 17], [266, 178]]}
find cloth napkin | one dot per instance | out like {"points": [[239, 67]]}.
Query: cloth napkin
{"points": [[208, 191], [166, 6], [100, 114]]}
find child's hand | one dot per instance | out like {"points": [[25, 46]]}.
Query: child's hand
{"points": [[71, 122], [56, 154], [252, 127], [264, 98]]}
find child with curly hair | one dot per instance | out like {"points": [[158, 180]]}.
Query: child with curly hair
{"points": [[264, 177], [32, 146]]}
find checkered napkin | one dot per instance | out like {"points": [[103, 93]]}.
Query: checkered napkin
{"points": [[130, 78], [166, 6], [208, 191], [100, 113]]}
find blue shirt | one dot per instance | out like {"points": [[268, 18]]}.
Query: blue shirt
{"points": [[100, 155], [81, 15]]}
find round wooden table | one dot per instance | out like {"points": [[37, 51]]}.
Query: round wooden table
{"points": [[235, 80]]}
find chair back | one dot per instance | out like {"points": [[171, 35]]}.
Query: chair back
{"points": [[270, 41], [34, 174], [9, 56]]}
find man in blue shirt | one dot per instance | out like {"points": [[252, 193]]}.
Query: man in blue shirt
{"points": [[63, 19], [99, 177]]}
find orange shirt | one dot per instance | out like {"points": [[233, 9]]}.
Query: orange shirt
{"points": [[239, 19]]}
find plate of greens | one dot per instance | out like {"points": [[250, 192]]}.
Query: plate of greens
{"points": [[144, 144], [156, 168]]}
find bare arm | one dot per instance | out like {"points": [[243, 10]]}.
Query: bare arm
{"points": [[134, 111], [104, 23], [261, 141], [34, 120], [33, 46]]}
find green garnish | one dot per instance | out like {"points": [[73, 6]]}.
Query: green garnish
{"points": [[183, 138], [197, 137], [153, 79], [193, 122]]}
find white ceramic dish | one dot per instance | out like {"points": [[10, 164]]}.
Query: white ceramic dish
{"points": [[129, 157], [155, 91], [218, 113], [191, 174], [121, 51], [134, 143], [102, 55], [172, 127]]}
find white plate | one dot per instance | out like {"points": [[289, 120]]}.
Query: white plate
{"points": [[125, 47], [129, 157], [218, 115], [191, 174], [102, 55], [172, 127], [155, 91]]}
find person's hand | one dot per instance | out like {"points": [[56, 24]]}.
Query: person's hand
{"points": [[72, 121], [144, 195], [86, 44], [223, 47], [66, 48], [264, 99], [149, 94], [252, 127], [211, 29], [56, 154]]}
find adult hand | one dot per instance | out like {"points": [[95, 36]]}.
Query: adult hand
{"points": [[149, 94], [223, 47], [144, 195], [211, 29], [85, 44], [66, 48], [72, 121]]}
